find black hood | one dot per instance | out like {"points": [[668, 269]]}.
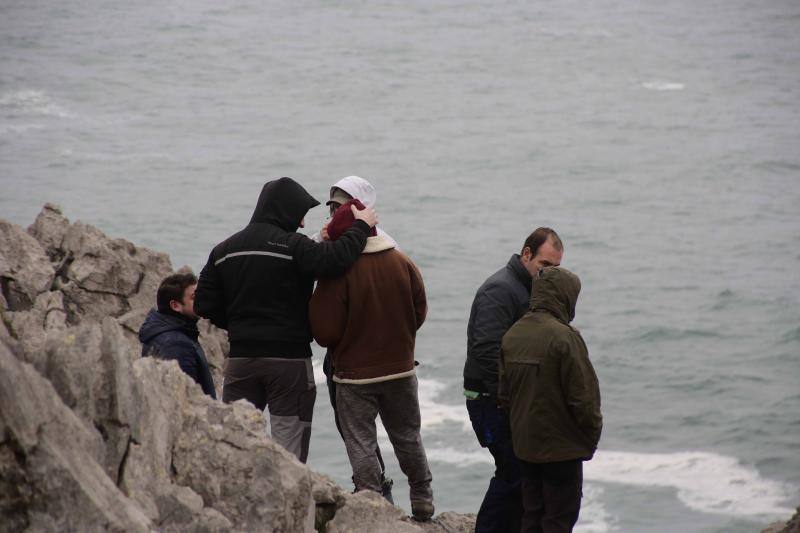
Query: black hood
{"points": [[157, 323], [283, 202]]}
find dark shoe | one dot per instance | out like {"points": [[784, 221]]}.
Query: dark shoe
{"points": [[386, 488], [421, 511]]}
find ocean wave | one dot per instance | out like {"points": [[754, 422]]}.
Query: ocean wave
{"points": [[590, 244], [106, 157], [32, 102], [791, 336], [14, 129], [666, 333], [678, 288], [434, 412], [663, 86], [319, 375], [594, 517], [725, 300], [560, 32], [705, 482], [780, 166]]}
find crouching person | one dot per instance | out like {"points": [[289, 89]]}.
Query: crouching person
{"points": [[551, 389], [170, 331], [369, 319]]}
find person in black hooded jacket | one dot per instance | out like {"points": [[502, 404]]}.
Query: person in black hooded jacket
{"points": [[170, 331], [257, 284]]}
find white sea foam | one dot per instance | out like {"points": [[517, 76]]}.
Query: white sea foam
{"points": [[594, 517], [31, 102], [319, 375], [434, 412], [663, 86], [706, 482]]}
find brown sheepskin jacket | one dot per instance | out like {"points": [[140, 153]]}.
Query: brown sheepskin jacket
{"points": [[369, 317]]}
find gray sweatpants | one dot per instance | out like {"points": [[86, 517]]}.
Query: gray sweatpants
{"points": [[398, 406], [285, 386]]}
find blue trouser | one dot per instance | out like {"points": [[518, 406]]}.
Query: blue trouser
{"points": [[501, 510]]}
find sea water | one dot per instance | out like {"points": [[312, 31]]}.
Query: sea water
{"points": [[661, 140]]}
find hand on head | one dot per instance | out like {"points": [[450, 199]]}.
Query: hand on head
{"points": [[368, 215], [348, 213]]}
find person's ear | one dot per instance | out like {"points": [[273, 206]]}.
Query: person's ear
{"points": [[175, 305]]}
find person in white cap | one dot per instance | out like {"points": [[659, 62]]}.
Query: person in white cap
{"points": [[341, 192], [346, 189]]}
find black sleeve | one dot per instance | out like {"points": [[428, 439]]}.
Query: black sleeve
{"points": [[493, 313], [209, 297], [330, 258]]}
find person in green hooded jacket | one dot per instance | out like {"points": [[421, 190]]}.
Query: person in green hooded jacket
{"points": [[551, 391]]}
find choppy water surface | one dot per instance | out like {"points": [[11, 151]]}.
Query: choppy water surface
{"points": [[661, 141]]}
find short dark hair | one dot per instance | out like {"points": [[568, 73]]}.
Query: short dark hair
{"points": [[539, 237], [172, 288]]}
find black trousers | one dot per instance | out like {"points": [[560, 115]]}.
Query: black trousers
{"points": [[551, 495], [285, 387]]}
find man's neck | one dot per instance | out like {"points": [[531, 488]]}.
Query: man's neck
{"points": [[186, 318]]}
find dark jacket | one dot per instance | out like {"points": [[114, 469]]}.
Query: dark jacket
{"points": [[546, 378], [499, 302], [257, 283], [370, 316], [169, 336]]}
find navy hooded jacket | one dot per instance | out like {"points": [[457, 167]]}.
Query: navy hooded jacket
{"points": [[170, 336]]}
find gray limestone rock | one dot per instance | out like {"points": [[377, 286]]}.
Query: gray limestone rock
{"points": [[263, 485], [99, 276], [54, 460], [33, 326], [25, 270], [369, 511], [49, 229], [792, 526], [450, 522]]}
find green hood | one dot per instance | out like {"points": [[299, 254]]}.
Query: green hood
{"points": [[556, 290]]}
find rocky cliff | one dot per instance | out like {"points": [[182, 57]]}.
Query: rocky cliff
{"points": [[792, 526], [94, 437]]}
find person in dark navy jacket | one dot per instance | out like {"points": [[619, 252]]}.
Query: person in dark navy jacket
{"points": [[170, 331]]}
